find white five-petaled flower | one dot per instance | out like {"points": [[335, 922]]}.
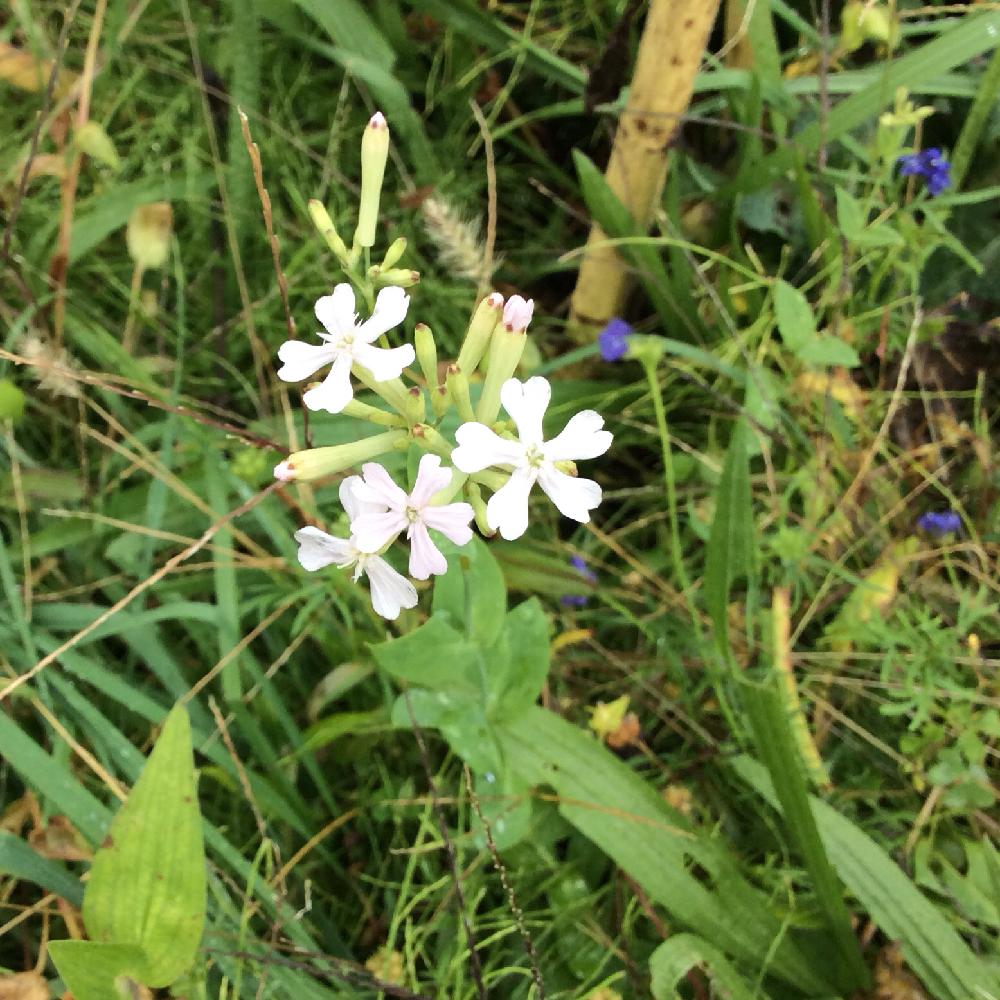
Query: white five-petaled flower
{"points": [[347, 342], [391, 511], [532, 459], [391, 592]]}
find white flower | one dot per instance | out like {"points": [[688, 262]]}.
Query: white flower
{"points": [[517, 314], [391, 592], [346, 343], [532, 459], [392, 511]]}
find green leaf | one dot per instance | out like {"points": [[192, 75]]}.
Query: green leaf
{"points": [[673, 959], [931, 945], [147, 883], [94, 971], [472, 590], [433, 656], [828, 350], [516, 680], [19, 860], [776, 745], [731, 543], [694, 878], [850, 216], [795, 317]]}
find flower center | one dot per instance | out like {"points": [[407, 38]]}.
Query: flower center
{"points": [[534, 456], [412, 515]]}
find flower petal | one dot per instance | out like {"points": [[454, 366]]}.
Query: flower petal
{"points": [[581, 438], [318, 549], [390, 590], [379, 487], [507, 510], [479, 448], [426, 558], [390, 310], [373, 531], [526, 402], [337, 311], [351, 504], [384, 362], [431, 479], [335, 392], [302, 359], [452, 520], [574, 498]]}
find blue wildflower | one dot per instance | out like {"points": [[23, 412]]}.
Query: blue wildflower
{"points": [[579, 600], [929, 164], [613, 340], [944, 522]]}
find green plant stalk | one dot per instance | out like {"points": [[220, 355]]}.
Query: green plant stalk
{"points": [[677, 557], [975, 122]]}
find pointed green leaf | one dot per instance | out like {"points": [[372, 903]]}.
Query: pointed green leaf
{"points": [[147, 883], [672, 961], [795, 316]]}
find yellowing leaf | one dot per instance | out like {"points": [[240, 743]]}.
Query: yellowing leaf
{"points": [[147, 883], [22, 70]]}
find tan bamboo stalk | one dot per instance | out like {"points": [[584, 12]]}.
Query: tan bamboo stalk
{"points": [[670, 50]]}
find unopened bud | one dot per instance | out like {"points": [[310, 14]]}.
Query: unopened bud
{"points": [[458, 386], [401, 276], [315, 463], [430, 440], [423, 341], [396, 250], [364, 411], [517, 314], [416, 405], [325, 227], [392, 390], [506, 347], [148, 234], [374, 153], [484, 319], [440, 398]]}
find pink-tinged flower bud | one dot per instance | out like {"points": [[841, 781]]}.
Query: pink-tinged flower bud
{"points": [[284, 472], [374, 153], [315, 463], [517, 314]]}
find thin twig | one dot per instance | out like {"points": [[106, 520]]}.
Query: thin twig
{"points": [[515, 909], [475, 964], [137, 590]]}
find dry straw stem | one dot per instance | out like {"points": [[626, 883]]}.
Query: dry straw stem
{"points": [[670, 51]]}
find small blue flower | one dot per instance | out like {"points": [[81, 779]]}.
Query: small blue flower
{"points": [[579, 600], [613, 340], [929, 164], [944, 522]]}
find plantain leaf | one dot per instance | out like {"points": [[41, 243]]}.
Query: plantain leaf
{"points": [[95, 971], [672, 961], [147, 883], [931, 945]]}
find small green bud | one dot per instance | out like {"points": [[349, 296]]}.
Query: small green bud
{"points": [[392, 256], [374, 153], [11, 401], [91, 139], [315, 463], [477, 339], [423, 341], [401, 276], [430, 440], [440, 398], [865, 22], [326, 228], [416, 405], [458, 387]]}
